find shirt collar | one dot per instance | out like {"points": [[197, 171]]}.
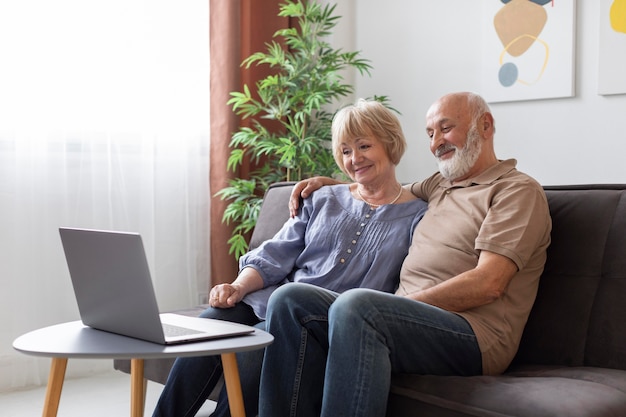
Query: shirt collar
{"points": [[488, 176]]}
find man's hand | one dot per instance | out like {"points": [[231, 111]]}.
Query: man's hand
{"points": [[304, 189]]}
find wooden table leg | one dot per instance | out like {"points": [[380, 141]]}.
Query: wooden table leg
{"points": [[137, 388], [233, 385], [55, 385]]}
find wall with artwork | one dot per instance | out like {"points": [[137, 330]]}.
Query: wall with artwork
{"points": [[612, 47], [568, 128], [528, 49]]}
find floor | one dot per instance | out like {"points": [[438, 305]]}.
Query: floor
{"points": [[106, 394]]}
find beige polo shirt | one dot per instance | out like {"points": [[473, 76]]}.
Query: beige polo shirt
{"points": [[501, 210]]}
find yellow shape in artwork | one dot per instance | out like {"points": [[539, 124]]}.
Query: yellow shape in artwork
{"points": [[519, 18], [618, 16]]}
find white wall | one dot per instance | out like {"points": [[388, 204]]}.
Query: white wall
{"points": [[421, 50]]}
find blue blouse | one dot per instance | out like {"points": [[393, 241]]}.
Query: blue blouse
{"points": [[336, 242]]}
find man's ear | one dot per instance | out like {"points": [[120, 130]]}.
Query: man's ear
{"points": [[487, 123]]}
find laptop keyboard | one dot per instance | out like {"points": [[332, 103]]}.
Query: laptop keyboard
{"points": [[171, 331]]}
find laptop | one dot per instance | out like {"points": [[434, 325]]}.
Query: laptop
{"points": [[114, 291]]}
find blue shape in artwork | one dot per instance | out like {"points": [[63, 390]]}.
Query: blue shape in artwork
{"points": [[508, 74], [539, 2]]}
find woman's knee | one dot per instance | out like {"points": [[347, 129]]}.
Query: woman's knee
{"points": [[283, 298], [300, 303], [289, 292], [298, 294], [357, 302]]}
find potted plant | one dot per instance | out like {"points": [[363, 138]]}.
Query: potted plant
{"points": [[306, 80]]}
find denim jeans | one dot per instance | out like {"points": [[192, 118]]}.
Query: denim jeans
{"points": [[334, 354], [192, 380]]}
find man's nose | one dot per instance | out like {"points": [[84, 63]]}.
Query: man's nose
{"points": [[436, 140]]}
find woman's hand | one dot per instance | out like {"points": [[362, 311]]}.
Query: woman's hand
{"points": [[304, 189], [225, 295]]}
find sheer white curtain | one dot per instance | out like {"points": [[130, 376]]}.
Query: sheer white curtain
{"points": [[104, 111]]}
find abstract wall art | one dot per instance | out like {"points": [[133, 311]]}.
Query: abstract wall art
{"points": [[528, 49], [612, 47]]}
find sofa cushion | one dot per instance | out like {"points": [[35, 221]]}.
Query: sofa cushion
{"points": [[530, 391], [578, 317], [274, 212]]}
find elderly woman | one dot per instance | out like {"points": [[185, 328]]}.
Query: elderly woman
{"points": [[345, 236]]}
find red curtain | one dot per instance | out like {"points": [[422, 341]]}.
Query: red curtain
{"points": [[237, 28]]}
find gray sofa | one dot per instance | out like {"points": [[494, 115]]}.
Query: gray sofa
{"points": [[572, 358]]}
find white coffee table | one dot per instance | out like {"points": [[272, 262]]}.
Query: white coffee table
{"points": [[74, 340]]}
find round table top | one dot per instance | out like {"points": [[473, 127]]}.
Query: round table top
{"points": [[75, 340]]}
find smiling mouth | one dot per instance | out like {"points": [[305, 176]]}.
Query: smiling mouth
{"points": [[444, 150], [361, 169]]}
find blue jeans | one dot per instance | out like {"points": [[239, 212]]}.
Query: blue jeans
{"points": [[334, 354], [192, 380]]}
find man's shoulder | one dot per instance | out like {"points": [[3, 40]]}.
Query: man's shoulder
{"points": [[518, 180], [520, 190]]}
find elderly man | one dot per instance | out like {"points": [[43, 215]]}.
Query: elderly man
{"points": [[466, 286]]}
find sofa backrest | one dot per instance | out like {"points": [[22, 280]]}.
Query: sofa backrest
{"points": [[579, 316], [274, 212]]}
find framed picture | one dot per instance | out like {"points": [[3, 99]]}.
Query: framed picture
{"points": [[528, 49], [612, 47]]}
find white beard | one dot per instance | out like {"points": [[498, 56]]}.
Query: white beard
{"points": [[463, 159]]}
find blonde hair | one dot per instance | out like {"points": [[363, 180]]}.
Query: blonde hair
{"points": [[368, 118]]}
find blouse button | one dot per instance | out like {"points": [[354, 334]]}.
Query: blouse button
{"points": [[358, 233], [353, 241], [349, 251], [367, 216], [343, 261], [362, 224]]}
